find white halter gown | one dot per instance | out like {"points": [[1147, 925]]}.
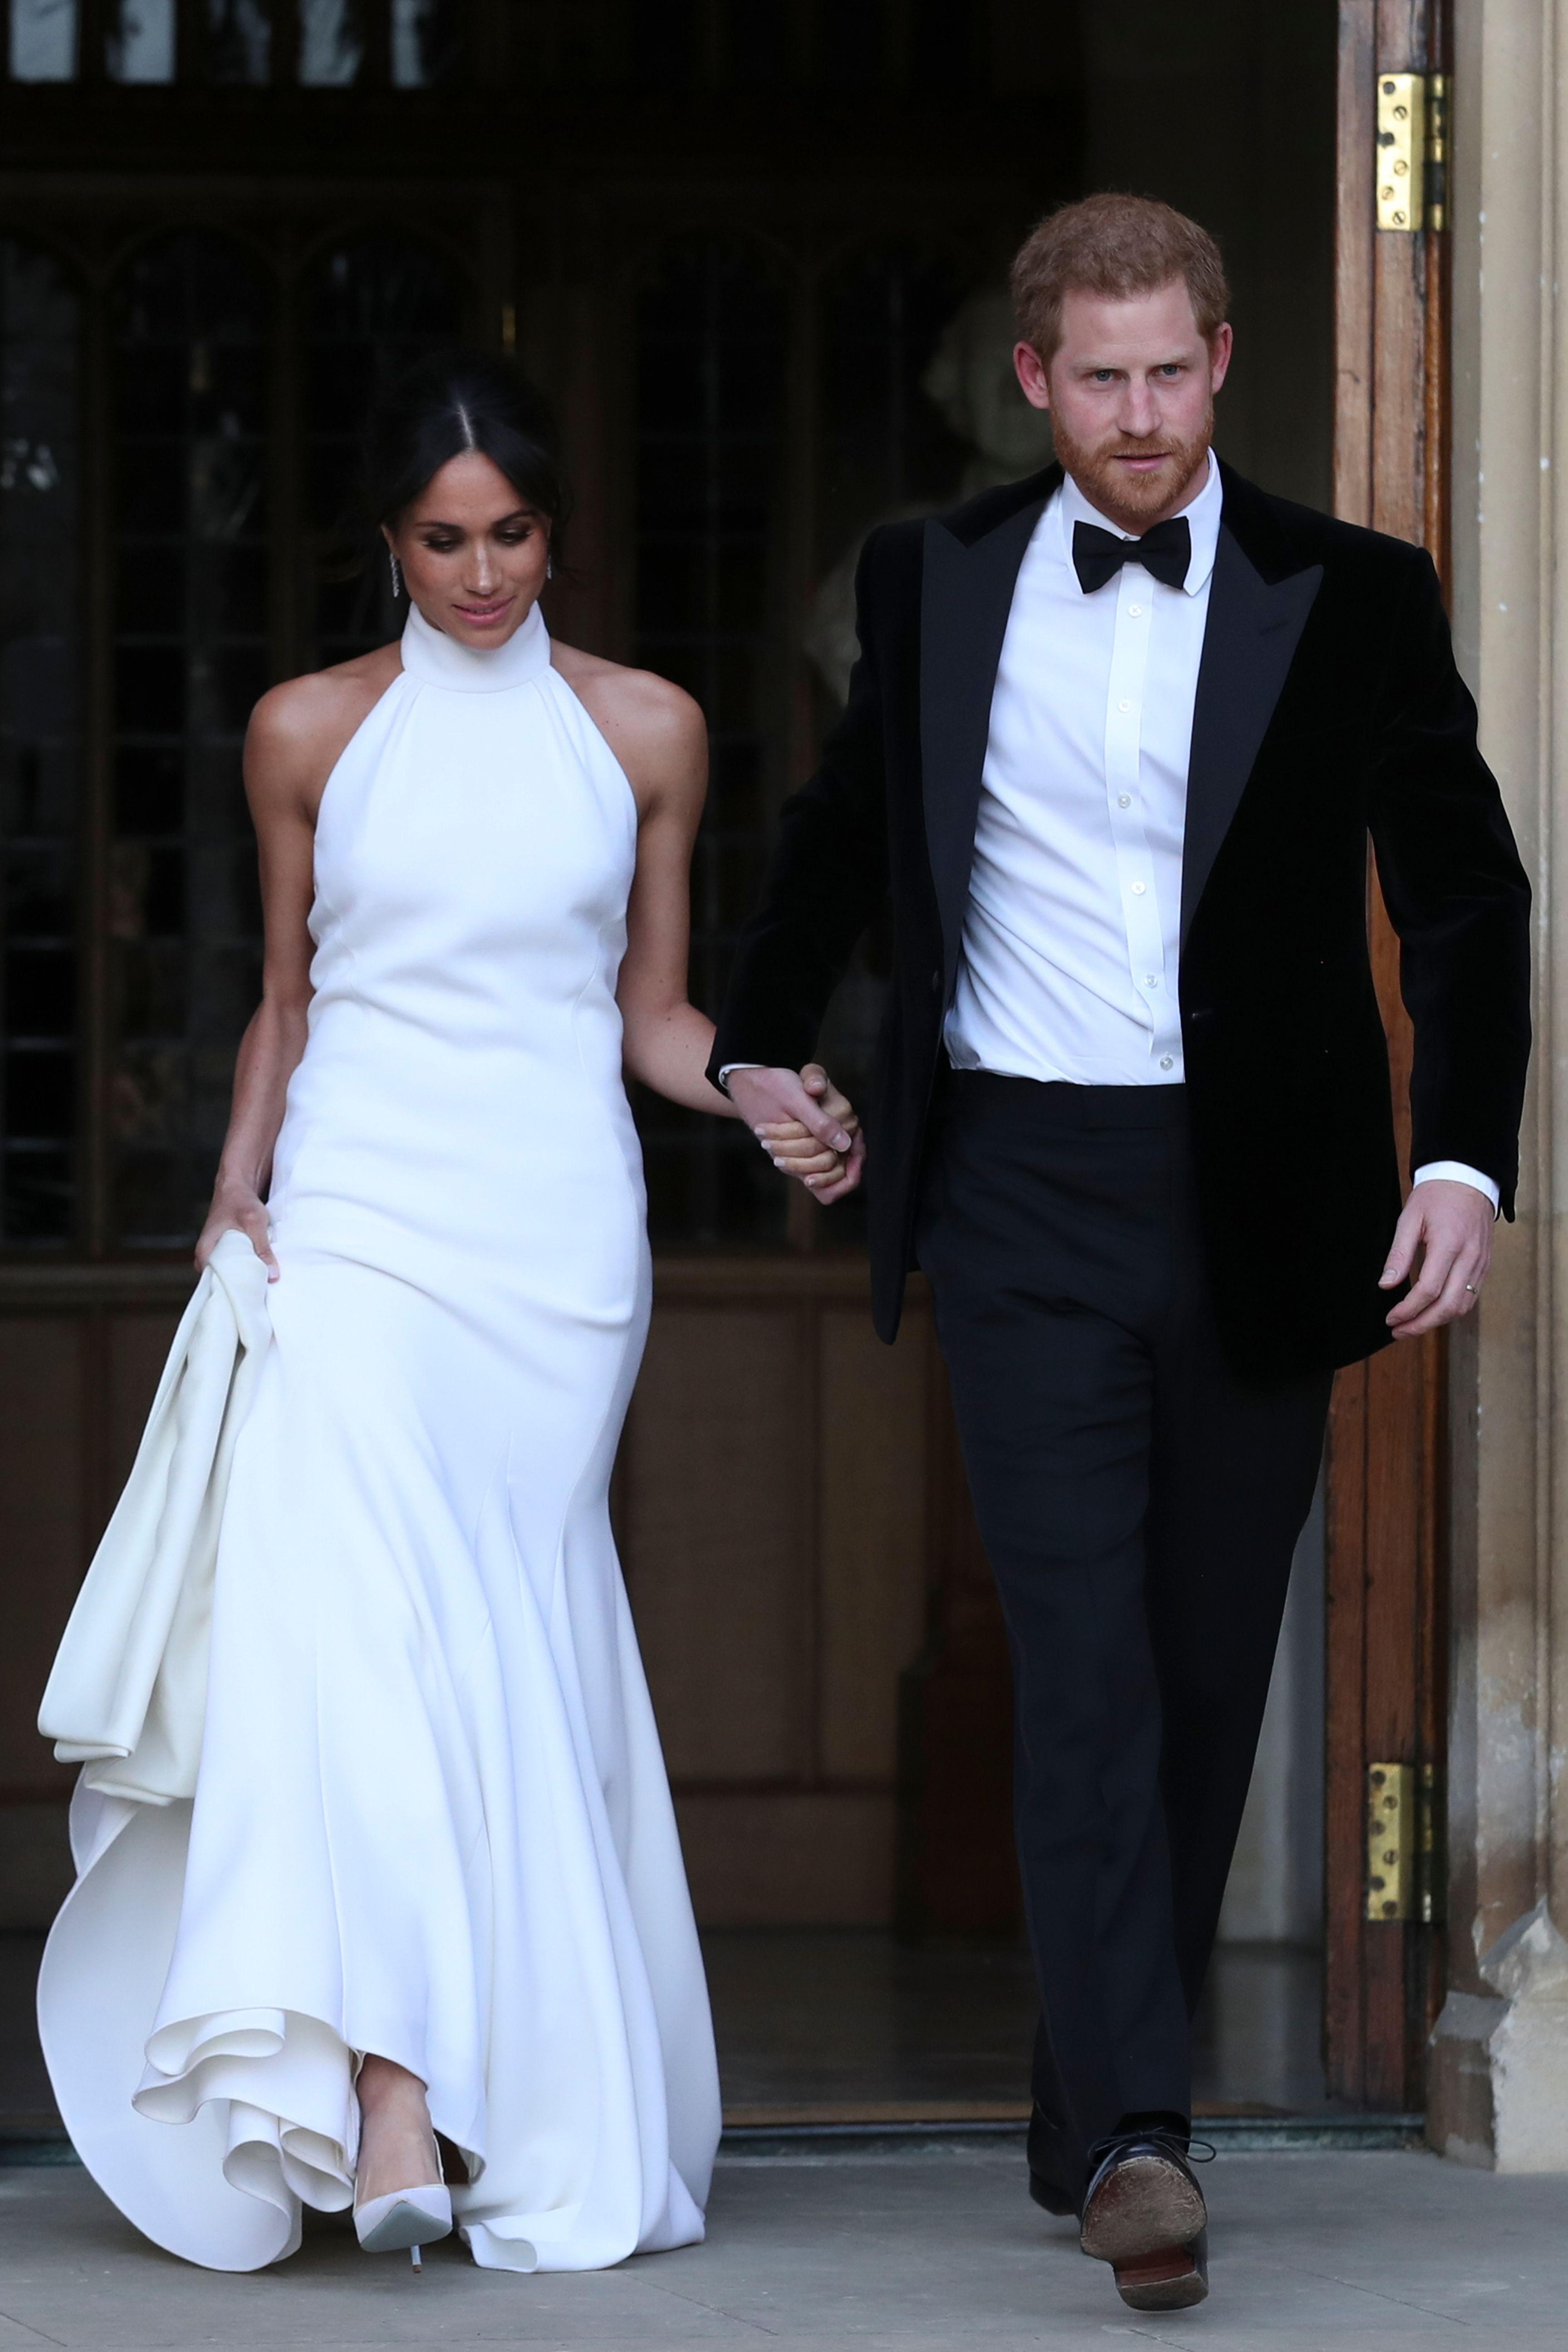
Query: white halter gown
{"points": [[432, 1819]]}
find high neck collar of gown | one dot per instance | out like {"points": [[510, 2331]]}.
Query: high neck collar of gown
{"points": [[437, 659]]}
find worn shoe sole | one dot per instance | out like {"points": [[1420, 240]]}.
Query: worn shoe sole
{"points": [[1147, 2206], [1170, 2279]]}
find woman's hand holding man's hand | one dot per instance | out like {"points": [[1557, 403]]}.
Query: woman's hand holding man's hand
{"points": [[807, 1128]]}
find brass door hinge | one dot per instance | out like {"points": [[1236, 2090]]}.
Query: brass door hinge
{"points": [[1412, 152], [1404, 1842], [1437, 151]]}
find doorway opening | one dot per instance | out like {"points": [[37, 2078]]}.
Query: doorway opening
{"points": [[761, 278]]}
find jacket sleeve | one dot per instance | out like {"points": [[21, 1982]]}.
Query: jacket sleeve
{"points": [[1459, 900], [827, 878]]}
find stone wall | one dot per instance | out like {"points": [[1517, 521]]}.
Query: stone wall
{"points": [[1500, 2071]]}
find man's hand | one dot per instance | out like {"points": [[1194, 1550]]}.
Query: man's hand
{"points": [[1447, 1230], [804, 1125]]}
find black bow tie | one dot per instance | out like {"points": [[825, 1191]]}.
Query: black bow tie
{"points": [[1099, 555]]}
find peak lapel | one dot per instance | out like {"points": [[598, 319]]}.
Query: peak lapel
{"points": [[1249, 641], [966, 595]]}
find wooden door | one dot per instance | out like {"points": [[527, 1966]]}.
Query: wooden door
{"points": [[1385, 1453]]}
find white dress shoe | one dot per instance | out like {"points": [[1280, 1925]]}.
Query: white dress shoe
{"points": [[408, 2219]]}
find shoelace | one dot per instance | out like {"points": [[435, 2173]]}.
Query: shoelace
{"points": [[1169, 2143]]}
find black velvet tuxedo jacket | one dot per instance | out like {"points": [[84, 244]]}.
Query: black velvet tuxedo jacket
{"points": [[1327, 708]]}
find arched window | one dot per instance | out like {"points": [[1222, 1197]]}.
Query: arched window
{"points": [[189, 323], [711, 613], [40, 748], [373, 306]]}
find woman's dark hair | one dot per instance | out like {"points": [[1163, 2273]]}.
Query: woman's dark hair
{"points": [[452, 401]]}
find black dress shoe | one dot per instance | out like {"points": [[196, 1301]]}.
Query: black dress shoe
{"points": [[1045, 2192], [1170, 2279], [1144, 2215]]}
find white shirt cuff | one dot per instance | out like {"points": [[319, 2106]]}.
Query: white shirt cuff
{"points": [[1453, 1171], [724, 1075]]}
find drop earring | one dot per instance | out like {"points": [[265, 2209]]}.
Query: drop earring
{"points": [[397, 575], [549, 567]]}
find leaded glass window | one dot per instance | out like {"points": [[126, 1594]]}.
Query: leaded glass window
{"points": [[886, 445], [711, 613], [41, 748], [739, 592], [889, 452], [190, 660], [375, 306]]}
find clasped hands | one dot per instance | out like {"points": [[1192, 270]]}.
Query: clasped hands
{"points": [[807, 1128]]}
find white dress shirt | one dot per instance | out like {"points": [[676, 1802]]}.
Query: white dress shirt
{"points": [[1071, 942]]}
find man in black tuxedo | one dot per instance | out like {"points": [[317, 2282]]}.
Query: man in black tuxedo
{"points": [[1114, 746]]}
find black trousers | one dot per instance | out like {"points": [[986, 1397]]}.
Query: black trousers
{"points": [[1140, 1504]]}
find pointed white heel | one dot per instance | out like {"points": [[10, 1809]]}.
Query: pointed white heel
{"points": [[404, 2219], [409, 2217]]}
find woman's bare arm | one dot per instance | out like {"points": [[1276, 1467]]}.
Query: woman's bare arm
{"points": [[659, 735], [296, 735]]}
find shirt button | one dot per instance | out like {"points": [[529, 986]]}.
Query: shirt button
{"points": [[1151, 980], [1124, 704], [1167, 1061], [1123, 800], [1139, 889], [1136, 611]]}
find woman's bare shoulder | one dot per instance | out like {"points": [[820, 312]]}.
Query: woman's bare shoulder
{"points": [[300, 729], [652, 725], [631, 697], [302, 708]]}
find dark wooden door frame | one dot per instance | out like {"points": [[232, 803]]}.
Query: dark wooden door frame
{"points": [[1386, 1467]]}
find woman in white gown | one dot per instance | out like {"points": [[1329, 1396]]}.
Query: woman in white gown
{"points": [[430, 1876]]}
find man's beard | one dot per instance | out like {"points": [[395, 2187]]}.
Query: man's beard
{"points": [[1134, 500]]}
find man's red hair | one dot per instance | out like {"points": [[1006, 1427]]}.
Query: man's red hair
{"points": [[1115, 246]]}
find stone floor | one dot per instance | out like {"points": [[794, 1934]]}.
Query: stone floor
{"points": [[936, 2247]]}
